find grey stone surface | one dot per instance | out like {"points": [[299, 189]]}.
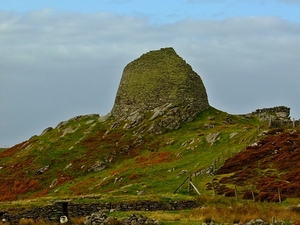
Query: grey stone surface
{"points": [[163, 86]]}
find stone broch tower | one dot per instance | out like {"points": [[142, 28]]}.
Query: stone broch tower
{"points": [[162, 83]]}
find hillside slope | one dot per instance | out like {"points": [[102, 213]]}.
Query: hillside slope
{"points": [[84, 156], [161, 130], [270, 166]]}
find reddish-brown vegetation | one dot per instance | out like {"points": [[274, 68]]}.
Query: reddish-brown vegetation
{"points": [[11, 151], [11, 188], [42, 193], [155, 158], [272, 165], [135, 176], [21, 187]]}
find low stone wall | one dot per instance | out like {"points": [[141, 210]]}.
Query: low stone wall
{"points": [[276, 109], [276, 117], [53, 212]]}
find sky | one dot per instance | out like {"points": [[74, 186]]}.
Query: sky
{"points": [[60, 59]]}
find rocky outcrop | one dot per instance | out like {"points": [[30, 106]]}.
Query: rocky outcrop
{"points": [[276, 117], [162, 86]]}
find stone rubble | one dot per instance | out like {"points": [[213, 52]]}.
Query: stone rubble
{"points": [[102, 218], [251, 222]]}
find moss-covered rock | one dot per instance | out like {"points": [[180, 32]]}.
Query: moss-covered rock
{"points": [[156, 79]]}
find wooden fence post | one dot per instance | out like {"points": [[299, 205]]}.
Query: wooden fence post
{"points": [[252, 192], [195, 188], [189, 183], [223, 155], [236, 194], [273, 219], [293, 122], [181, 185], [213, 186], [279, 196]]}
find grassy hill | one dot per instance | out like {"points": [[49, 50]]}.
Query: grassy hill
{"points": [[85, 156]]}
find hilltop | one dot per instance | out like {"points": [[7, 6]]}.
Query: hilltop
{"points": [[161, 130], [159, 78], [160, 84]]}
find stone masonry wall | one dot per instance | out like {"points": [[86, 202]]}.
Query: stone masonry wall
{"points": [[276, 117], [53, 212]]}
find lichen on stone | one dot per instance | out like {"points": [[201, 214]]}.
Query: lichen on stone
{"points": [[158, 79]]}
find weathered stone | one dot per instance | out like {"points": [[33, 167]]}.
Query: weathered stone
{"points": [[115, 125], [160, 110], [134, 119], [53, 183], [276, 116], [170, 123], [96, 218], [61, 125], [46, 130], [90, 121], [156, 129], [228, 120], [98, 212], [98, 166], [233, 134], [209, 125], [212, 137], [158, 81], [42, 170], [69, 130]]}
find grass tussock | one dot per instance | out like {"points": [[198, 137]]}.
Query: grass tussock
{"points": [[242, 213], [33, 222], [235, 214], [72, 221], [223, 210], [228, 210]]}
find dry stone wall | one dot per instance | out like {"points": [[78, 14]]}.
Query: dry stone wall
{"points": [[278, 116], [161, 88], [54, 211], [157, 78]]}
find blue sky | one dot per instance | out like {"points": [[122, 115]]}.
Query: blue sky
{"points": [[167, 11], [60, 59]]}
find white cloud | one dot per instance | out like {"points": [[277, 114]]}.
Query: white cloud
{"points": [[57, 65]]}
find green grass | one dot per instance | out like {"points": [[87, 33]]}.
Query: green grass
{"points": [[154, 167], [218, 209]]}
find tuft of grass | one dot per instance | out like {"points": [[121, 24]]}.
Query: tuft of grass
{"points": [[72, 221], [244, 212]]}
